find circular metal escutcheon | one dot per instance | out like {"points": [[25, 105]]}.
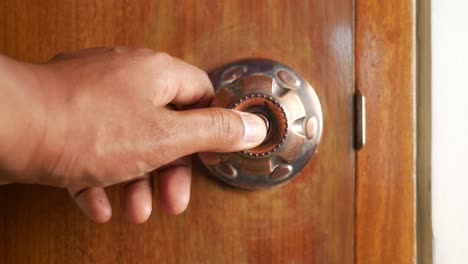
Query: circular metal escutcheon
{"points": [[292, 114]]}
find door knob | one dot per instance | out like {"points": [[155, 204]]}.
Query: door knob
{"points": [[292, 114]]}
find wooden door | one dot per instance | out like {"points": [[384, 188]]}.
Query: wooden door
{"points": [[309, 220]]}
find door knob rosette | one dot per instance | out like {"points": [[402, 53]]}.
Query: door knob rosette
{"points": [[292, 114]]}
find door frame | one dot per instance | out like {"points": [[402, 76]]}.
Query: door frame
{"points": [[385, 66]]}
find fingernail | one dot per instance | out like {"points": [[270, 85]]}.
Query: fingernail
{"points": [[254, 129]]}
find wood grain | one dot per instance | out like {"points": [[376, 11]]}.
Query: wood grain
{"points": [[385, 180], [310, 220]]}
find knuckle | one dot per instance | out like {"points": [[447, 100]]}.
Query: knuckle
{"points": [[163, 62], [224, 127], [162, 59], [163, 68], [142, 53], [119, 49], [205, 76], [132, 54]]}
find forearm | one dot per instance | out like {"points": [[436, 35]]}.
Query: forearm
{"points": [[22, 113]]}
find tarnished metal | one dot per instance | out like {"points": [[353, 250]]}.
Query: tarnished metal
{"points": [[291, 111]]}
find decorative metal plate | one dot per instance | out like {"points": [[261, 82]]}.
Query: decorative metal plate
{"points": [[291, 111]]}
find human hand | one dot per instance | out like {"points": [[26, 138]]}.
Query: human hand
{"points": [[99, 117]]}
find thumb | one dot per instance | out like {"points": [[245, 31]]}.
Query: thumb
{"points": [[217, 130]]}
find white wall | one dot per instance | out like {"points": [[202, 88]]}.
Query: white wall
{"points": [[450, 131]]}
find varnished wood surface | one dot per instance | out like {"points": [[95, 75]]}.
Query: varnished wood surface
{"points": [[309, 220], [385, 180]]}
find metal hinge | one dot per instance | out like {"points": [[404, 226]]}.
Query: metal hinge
{"points": [[359, 120]]}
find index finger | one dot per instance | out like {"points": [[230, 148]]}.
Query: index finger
{"points": [[185, 84]]}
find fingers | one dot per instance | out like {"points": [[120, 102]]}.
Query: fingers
{"points": [[174, 185], [94, 203], [175, 81], [137, 201], [213, 130], [185, 84], [174, 188]]}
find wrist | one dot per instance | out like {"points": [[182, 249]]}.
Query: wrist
{"points": [[24, 118]]}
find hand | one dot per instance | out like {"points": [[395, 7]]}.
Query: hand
{"points": [[103, 116]]}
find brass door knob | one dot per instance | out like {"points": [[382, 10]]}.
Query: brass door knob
{"points": [[291, 111]]}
